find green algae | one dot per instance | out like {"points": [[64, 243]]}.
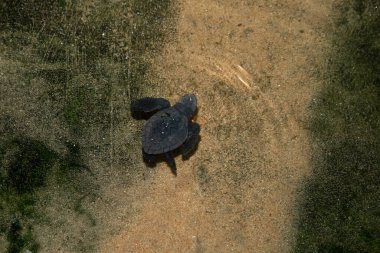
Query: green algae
{"points": [[340, 212], [25, 164], [70, 58]]}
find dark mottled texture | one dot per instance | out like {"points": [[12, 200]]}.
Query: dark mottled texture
{"points": [[341, 211]]}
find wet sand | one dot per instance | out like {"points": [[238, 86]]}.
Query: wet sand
{"points": [[252, 66]]}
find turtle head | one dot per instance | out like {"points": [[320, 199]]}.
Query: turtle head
{"points": [[190, 101], [187, 105]]}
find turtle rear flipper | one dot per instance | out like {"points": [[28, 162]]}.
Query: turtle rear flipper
{"points": [[192, 140], [171, 162], [149, 159], [145, 107]]}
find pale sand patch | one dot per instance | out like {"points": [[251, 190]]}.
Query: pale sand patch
{"points": [[252, 66]]}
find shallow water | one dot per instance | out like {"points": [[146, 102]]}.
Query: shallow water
{"points": [[72, 175]]}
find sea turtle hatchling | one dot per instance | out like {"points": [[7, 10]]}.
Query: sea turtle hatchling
{"points": [[168, 129]]}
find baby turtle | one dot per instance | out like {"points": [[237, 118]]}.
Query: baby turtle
{"points": [[168, 128]]}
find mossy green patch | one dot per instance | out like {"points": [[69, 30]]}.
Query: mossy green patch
{"points": [[79, 64], [340, 211], [20, 238], [84, 105], [78, 207], [24, 164], [147, 17]]}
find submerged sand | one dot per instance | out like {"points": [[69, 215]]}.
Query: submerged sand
{"points": [[252, 65]]}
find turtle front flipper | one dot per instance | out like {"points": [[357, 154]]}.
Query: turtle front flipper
{"points": [[171, 162], [144, 108], [192, 140]]}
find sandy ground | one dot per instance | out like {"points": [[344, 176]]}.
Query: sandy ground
{"points": [[252, 65]]}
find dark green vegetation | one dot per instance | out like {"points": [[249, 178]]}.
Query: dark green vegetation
{"points": [[25, 164], [341, 209], [69, 70], [19, 240]]}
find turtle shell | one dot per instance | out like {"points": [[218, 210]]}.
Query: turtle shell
{"points": [[164, 131]]}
